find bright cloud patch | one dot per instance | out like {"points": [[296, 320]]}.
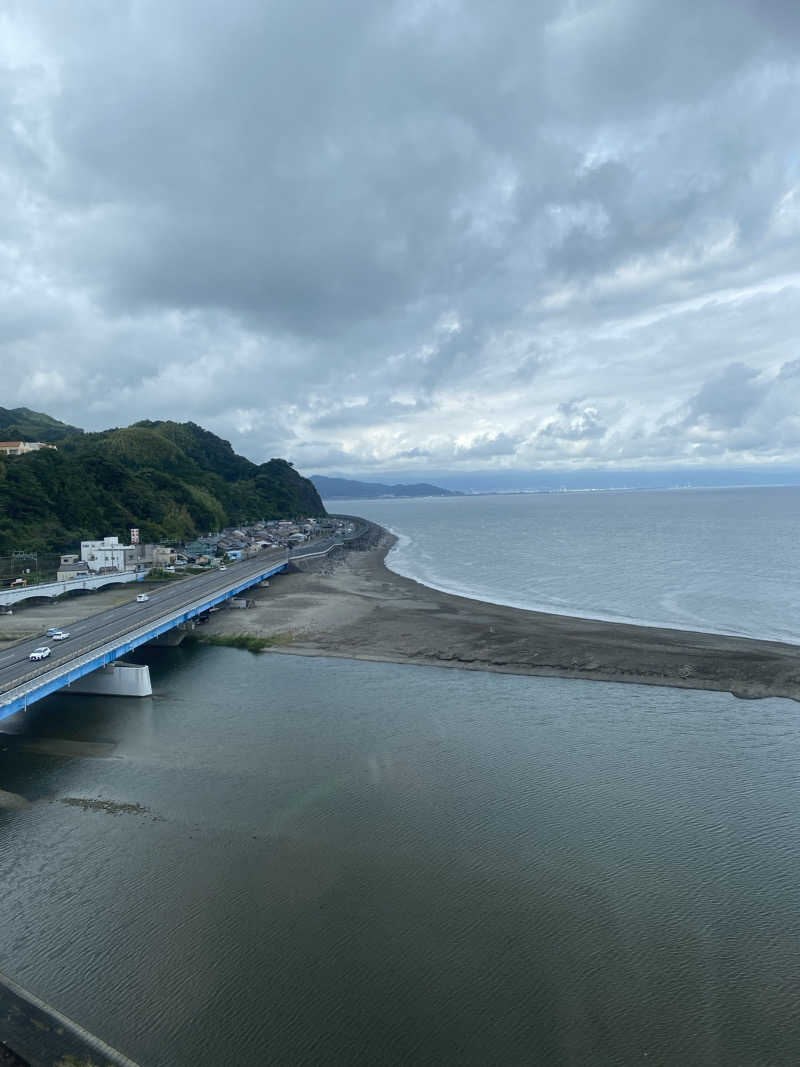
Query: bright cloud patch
{"points": [[428, 234]]}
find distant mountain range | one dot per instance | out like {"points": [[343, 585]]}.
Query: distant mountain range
{"points": [[346, 489]]}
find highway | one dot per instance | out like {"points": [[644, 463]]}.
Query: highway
{"points": [[114, 623], [97, 630]]}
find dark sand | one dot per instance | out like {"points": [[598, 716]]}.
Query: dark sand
{"points": [[355, 607]]}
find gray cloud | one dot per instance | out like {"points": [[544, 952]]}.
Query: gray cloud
{"points": [[357, 235]]}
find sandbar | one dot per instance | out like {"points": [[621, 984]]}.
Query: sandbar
{"points": [[351, 605]]}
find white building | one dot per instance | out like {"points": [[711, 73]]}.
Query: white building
{"points": [[108, 555], [19, 448]]}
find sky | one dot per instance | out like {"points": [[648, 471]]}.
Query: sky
{"points": [[423, 235]]}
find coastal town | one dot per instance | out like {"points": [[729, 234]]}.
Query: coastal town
{"points": [[231, 545], [108, 555]]}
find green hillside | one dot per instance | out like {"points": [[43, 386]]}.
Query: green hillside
{"points": [[22, 424], [172, 480]]}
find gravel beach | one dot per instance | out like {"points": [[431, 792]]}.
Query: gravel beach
{"points": [[353, 606]]}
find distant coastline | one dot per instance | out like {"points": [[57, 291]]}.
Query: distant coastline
{"points": [[349, 489]]}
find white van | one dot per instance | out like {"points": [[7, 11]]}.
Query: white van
{"points": [[141, 598]]}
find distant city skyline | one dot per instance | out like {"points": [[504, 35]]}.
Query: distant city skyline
{"points": [[432, 235]]}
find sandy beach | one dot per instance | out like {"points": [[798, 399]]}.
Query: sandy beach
{"points": [[353, 606]]}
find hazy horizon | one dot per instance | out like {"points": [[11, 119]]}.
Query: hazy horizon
{"points": [[554, 479]]}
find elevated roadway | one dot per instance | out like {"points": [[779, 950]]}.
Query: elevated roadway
{"points": [[101, 639]]}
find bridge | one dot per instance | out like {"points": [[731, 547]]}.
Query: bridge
{"points": [[102, 639], [53, 589]]}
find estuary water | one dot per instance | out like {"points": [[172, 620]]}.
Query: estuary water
{"points": [[279, 860], [724, 560]]}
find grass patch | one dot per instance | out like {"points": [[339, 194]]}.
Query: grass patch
{"points": [[246, 641]]}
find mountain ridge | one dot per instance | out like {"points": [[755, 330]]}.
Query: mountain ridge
{"points": [[171, 480], [23, 424], [349, 489]]}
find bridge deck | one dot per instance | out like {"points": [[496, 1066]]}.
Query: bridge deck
{"points": [[103, 638]]}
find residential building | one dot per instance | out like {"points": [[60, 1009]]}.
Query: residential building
{"points": [[18, 448], [69, 571], [108, 555]]}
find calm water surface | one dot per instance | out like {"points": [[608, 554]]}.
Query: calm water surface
{"points": [[366, 863], [724, 560]]}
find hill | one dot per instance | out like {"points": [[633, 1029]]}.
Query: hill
{"points": [[346, 489], [171, 480], [22, 424]]}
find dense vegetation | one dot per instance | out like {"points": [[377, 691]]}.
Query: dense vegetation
{"points": [[346, 489], [172, 480], [22, 424]]}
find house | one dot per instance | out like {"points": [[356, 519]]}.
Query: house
{"points": [[69, 571], [203, 546], [150, 555], [18, 448]]}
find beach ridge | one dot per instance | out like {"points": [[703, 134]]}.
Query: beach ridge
{"points": [[354, 607]]}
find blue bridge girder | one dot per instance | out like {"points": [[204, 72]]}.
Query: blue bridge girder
{"points": [[38, 683]]}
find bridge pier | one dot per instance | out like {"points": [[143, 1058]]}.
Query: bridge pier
{"points": [[173, 637], [116, 680]]}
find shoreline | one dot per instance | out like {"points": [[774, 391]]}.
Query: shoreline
{"points": [[353, 607], [618, 620]]}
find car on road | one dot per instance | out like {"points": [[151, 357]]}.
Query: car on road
{"points": [[141, 598], [42, 652], [59, 635], [53, 630]]}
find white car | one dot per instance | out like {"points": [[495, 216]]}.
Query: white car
{"points": [[141, 598], [60, 635], [40, 653]]}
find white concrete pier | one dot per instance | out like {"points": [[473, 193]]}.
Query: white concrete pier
{"points": [[116, 680]]}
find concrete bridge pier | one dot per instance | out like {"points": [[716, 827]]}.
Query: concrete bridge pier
{"points": [[118, 679], [173, 637]]}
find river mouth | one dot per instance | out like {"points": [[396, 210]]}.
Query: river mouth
{"points": [[404, 864]]}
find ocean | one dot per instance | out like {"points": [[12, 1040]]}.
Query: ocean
{"points": [[285, 860], [721, 560]]}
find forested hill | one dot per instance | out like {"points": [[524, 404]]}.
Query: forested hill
{"points": [[171, 480], [22, 424]]}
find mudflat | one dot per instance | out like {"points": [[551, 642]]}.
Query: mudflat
{"points": [[355, 607]]}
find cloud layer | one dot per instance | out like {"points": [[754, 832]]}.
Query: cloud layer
{"points": [[434, 233]]}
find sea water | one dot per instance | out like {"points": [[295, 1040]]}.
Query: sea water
{"points": [[722, 560]]}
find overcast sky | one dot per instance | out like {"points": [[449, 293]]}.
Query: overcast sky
{"points": [[426, 234]]}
